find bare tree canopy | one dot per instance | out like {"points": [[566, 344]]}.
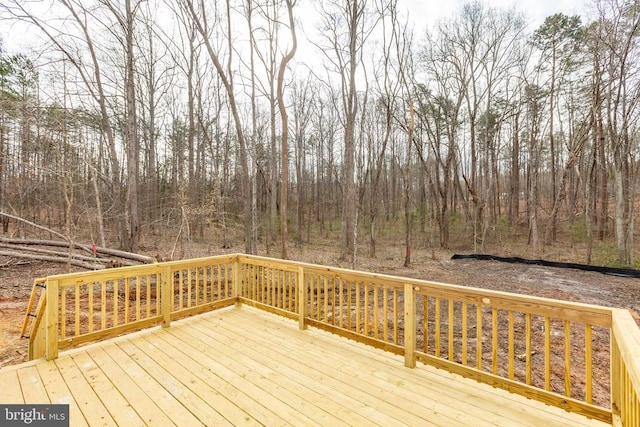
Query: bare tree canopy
{"points": [[130, 119]]}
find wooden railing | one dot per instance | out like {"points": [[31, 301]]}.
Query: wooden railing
{"points": [[625, 369], [582, 358], [81, 307]]}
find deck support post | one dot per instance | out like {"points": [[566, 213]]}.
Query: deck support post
{"points": [[236, 285], [166, 295], [409, 326], [302, 299], [51, 332]]}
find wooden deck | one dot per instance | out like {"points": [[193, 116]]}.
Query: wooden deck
{"points": [[243, 366]]}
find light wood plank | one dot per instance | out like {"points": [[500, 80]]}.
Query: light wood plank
{"points": [[33, 390], [216, 401], [252, 394], [144, 407], [257, 405], [243, 366], [339, 397], [110, 396], [167, 403], [58, 391], [518, 410], [84, 395], [290, 386], [333, 372], [10, 392]]}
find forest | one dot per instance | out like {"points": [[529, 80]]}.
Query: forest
{"points": [[278, 121]]}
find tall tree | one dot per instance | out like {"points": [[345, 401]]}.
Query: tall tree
{"points": [[345, 27], [619, 24], [558, 39], [284, 117], [198, 9]]}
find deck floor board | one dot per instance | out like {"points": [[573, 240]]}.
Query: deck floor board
{"points": [[243, 366], [58, 391]]}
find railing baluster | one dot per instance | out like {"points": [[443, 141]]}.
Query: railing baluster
{"points": [[334, 310], [180, 290], [479, 336], [395, 316], [63, 312], [76, 289], [126, 300], [450, 327], [385, 315], [494, 340], [365, 316], [527, 320], [357, 306], [511, 345], [547, 353], [253, 278], [90, 302], [325, 295], [464, 333], [271, 284], [375, 311], [341, 302], [437, 336], [103, 304], [138, 287], [567, 358], [588, 360], [116, 292], [349, 308], [196, 284], [425, 326]]}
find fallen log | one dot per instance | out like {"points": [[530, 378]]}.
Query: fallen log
{"points": [[64, 244], [62, 260], [102, 260]]}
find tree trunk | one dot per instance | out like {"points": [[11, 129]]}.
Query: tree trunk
{"points": [[284, 183]]}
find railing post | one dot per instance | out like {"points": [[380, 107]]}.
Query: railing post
{"points": [[409, 326], [236, 285], [166, 295], [615, 378], [51, 333], [302, 299]]}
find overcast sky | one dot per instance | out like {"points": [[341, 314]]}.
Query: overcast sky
{"points": [[423, 13], [426, 12]]}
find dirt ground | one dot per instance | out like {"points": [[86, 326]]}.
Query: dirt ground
{"points": [[573, 285]]}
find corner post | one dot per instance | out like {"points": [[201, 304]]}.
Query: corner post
{"points": [[409, 326], [166, 294], [615, 373], [236, 285], [51, 333], [302, 299]]}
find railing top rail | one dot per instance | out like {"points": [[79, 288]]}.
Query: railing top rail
{"points": [[83, 276]]}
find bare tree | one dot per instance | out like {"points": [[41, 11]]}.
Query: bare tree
{"points": [[619, 25], [200, 15], [345, 27], [285, 130], [558, 40]]}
